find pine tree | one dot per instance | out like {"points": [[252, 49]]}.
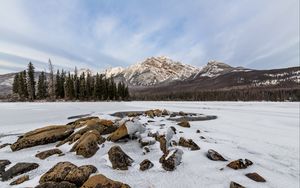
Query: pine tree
{"points": [[42, 86], [57, 85], [62, 83], [88, 86], [82, 87], [31, 81], [16, 84], [76, 83], [22, 89]]}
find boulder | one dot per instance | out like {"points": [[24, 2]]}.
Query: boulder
{"points": [[171, 159], [147, 141], [79, 175], [184, 123], [118, 158], [100, 180], [255, 177], [20, 180], [198, 131], [215, 156], [68, 172], [165, 112], [45, 154], [52, 184], [235, 185], [42, 136], [102, 126], [81, 121], [17, 169], [189, 143], [145, 165], [3, 164], [239, 164], [87, 144], [162, 143], [127, 129]]}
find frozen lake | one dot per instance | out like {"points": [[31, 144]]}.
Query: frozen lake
{"points": [[267, 133]]}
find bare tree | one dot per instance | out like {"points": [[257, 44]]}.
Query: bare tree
{"points": [[51, 81]]}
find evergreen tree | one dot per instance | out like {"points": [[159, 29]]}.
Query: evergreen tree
{"points": [[62, 83], [16, 84], [76, 83], [57, 85], [31, 81], [89, 86], [22, 89], [42, 86], [82, 87]]}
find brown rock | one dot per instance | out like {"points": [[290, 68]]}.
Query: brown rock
{"points": [[48, 153], [153, 113], [198, 131], [52, 184], [165, 112], [235, 185], [189, 143], [102, 126], [120, 133], [171, 160], [100, 181], [82, 121], [184, 123], [42, 136], [68, 172], [239, 164], [118, 158], [147, 142], [79, 175], [162, 143], [20, 180], [17, 169], [87, 145], [181, 113], [3, 164], [255, 177], [145, 165], [215, 156]]}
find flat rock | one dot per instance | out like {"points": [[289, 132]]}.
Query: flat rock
{"points": [[235, 185], [239, 164], [45, 154], [20, 180], [4, 145], [42, 136], [87, 144], [51, 184], [68, 172], [17, 169], [145, 165], [119, 159], [215, 156], [100, 181], [255, 177], [189, 143], [184, 123]]}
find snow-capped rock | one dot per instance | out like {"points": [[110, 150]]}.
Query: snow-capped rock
{"points": [[153, 70]]}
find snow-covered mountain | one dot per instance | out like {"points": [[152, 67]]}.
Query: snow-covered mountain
{"points": [[152, 71]]}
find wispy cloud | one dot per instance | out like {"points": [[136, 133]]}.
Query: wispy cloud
{"points": [[98, 34]]}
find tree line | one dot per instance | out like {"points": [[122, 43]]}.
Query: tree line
{"points": [[64, 85], [245, 94]]}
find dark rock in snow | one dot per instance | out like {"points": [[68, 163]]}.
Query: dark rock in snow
{"points": [[255, 177], [215, 156], [145, 165], [118, 158], [184, 124], [235, 185], [48, 153], [189, 143], [3, 164], [20, 180], [17, 169], [239, 164]]}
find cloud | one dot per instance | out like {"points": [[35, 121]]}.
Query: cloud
{"points": [[98, 34]]}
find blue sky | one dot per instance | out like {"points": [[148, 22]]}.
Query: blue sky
{"points": [[98, 34]]}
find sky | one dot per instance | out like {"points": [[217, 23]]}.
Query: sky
{"points": [[99, 34]]}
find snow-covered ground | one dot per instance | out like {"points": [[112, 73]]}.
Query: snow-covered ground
{"points": [[266, 133]]}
